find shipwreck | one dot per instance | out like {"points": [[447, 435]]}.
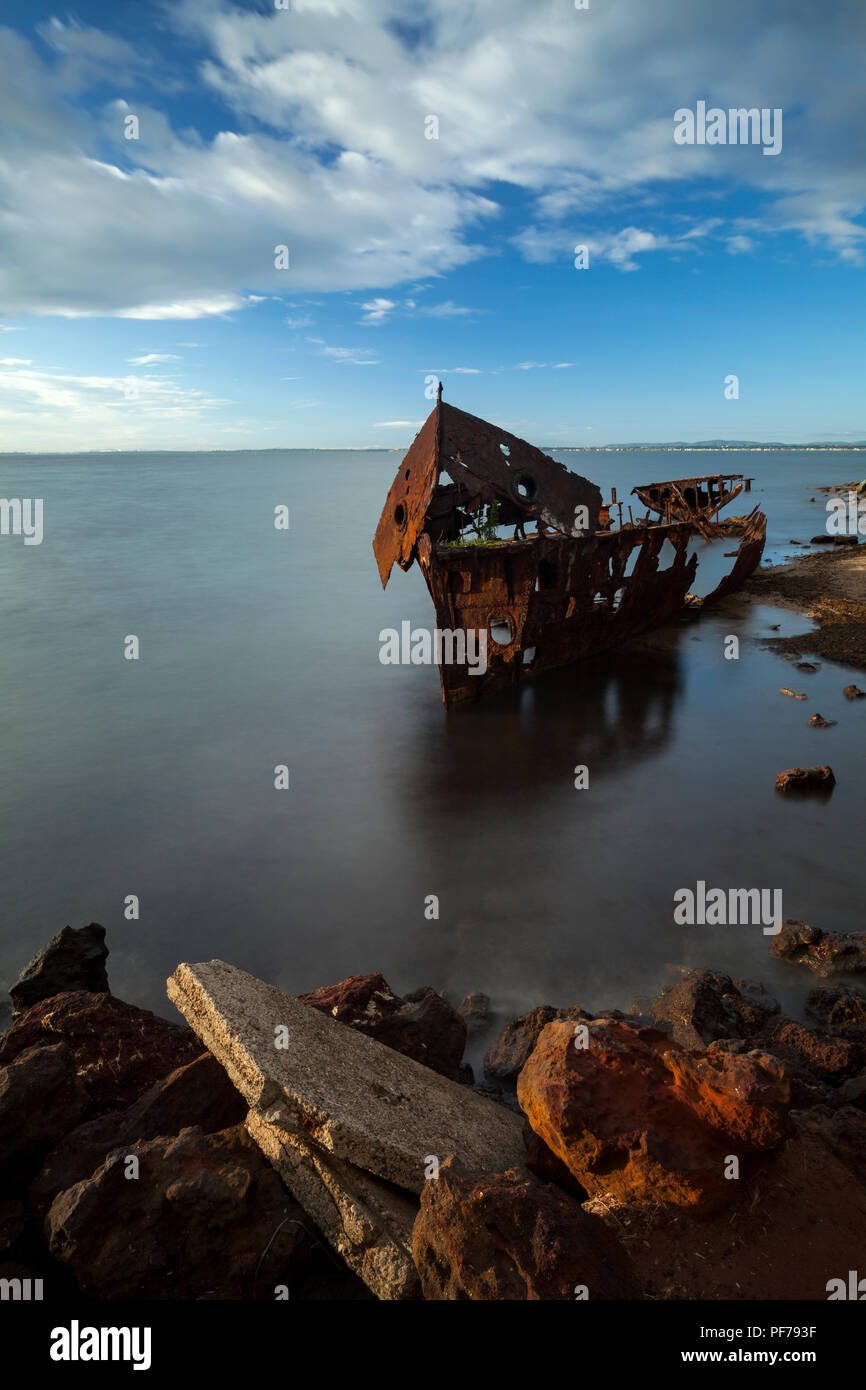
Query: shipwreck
{"points": [[575, 586]]}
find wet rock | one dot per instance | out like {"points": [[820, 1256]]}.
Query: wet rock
{"points": [[828, 1059], [794, 694], [423, 1025], [816, 721], [809, 666], [840, 1010], [508, 1237], [705, 1004], [41, 1099], [613, 1111], [118, 1050], [347, 1093], [475, 1012], [197, 1095], [825, 953], [74, 959], [806, 779], [511, 1051], [851, 692], [821, 540], [207, 1218]]}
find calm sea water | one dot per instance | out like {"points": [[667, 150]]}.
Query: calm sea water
{"points": [[259, 647]]}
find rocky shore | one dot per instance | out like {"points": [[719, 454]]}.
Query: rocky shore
{"points": [[829, 587], [335, 1145]]}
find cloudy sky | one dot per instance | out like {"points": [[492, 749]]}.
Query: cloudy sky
{"points": [[144, 302]]}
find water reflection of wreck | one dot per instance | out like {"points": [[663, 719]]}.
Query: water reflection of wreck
{"points": [[575, 587]]}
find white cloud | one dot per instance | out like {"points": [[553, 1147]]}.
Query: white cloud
{"points": [[377, 310], [398, 425], [356, 357], [150, 357], [322, 145]]}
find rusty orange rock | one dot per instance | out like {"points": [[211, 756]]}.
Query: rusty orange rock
{"points": [[633, 1117]]}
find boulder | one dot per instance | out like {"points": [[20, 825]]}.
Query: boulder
{"points": [[507, 1057], [41, 1099], [825, 953], [852, 692], [817, 721], [806, 779], [840, 1011], [206, 1218], [826, 1058], [704, 1005], [74, 959], [197, 1095], [118, 1050], [423, 1025], [634, 1116], [506, 1236]]}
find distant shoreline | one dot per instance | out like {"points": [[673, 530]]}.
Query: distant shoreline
{"points": [[401, 449]]}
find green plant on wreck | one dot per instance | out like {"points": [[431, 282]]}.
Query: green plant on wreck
{"points": [[485, 528]]}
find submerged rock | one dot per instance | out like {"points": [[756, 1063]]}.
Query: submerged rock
{"points": [[506, 1236], [852, 692], [74, 959], [816, 721], [825, 953], [806, 779]]}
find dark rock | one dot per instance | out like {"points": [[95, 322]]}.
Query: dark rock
{"points": [[207, 1218], [74, 959], [475, 1012], [840, 1010], [831, 1060], [509, 1054], [825, 953], [816, 721], [508, 1237], [705, 1005], [423, 1025], [799, 779], [851, 692], [12, 1225], [853, 1092], [118, 1051], [41, 1099], [199, 1094], [807, 666]]}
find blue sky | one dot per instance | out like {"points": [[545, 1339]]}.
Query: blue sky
{"points": [[141, 306]]}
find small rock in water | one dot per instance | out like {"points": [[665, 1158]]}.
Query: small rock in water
{"points": [[807, 666], [475, 1011], [818, 722], [774, 627], [852, 692], [795, 695], [806, 779]]}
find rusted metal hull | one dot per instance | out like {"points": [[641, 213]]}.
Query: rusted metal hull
{"points": [[554, 597], [564, 599], [696, 500]]}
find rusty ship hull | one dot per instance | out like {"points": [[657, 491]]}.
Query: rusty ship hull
{"points": [[572, 589]]}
